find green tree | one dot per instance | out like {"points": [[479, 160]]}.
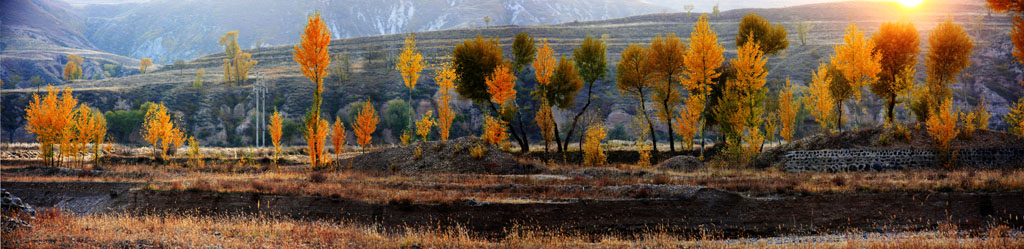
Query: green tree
{"points": [[474, 60], [592, 66], [772, 39], [803, 30], [397, 116], [523, 51]]}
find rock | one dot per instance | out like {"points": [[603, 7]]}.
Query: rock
{"points": [[682, 163], [15, 212]]}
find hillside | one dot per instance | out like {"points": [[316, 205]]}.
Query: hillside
{"points": [[218, 114]]}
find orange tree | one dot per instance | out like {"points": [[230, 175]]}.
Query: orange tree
{"points": [[158, 130], [48, 118], [445, 77], [275, 133], [665, 59], [424, 124], [338, 136], [949, 52], [73, 69], [702, 61], [312, 55], [632, 80], [897, 44], [366, 123], [237, 63], [788, 108]]}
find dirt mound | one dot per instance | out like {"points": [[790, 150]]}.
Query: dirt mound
{"points": [[871, 139], [451, 156], [682, 163]]}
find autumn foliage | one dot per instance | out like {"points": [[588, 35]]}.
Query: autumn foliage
{"points": [[592, 152], [702, 61], [366, 123], [338, 136], [313, 58], [445, 78], [410, 62], [144, 64], [942, 126], [494, 131], [73, 69], [501, 85], [820, 100], [546, 123], [665, 60], [787, 112], [160, 131], [275, 133], [236, 63], [424, 125], [49, 118]]}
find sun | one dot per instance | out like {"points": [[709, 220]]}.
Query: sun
{"points": [[910, 3]]}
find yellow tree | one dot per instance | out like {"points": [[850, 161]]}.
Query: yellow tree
{"points": [[665, 59], [338, 136], [858, 63], [197, 83], [158, 130], [949, 52], [86, 126], [546, 123], [410, 63], [898, 45], [73, 69], [942, 126], [820, 99], [1015, 118], [312, 55], [144, 64], [592, 153], [494, 131], [48, 118], [445, 77], [236, 62], [366, 123], [424, 124], [748, 86], [787, 112], [702, 61], [275, 133], [632, 79]]}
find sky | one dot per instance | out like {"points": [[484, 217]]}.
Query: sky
{"points": [[699, 5]]}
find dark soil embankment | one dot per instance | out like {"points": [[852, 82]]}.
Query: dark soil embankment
{"points": [[618, 156], [452, 156], [702, 208]]}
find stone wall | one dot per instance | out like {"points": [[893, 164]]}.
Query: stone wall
{"points": [[879, 160]]}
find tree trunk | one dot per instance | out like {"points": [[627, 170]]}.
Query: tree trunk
{"points": [[511, 127], [654, 137], [572, 128], [839, 121], [892, 106]]}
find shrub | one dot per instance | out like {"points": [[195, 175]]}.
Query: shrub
{"points": [[592, 152]]}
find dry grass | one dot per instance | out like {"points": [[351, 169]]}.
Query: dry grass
{"points": [[54, 229]]}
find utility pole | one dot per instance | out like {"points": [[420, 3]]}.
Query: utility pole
{"points": [[259, 92]]}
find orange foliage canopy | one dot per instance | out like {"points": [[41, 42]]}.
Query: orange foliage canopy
{"points": [[338, 136], [494, 130], [501, 85], [410, 62], [313, 54], [544, 64], [366, 123], [49, 117], [857, 59], [275, 133], [158, 130]]}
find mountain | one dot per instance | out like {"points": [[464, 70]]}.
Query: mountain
{"points": [[168, 30], [222, 114], [37, 35]]}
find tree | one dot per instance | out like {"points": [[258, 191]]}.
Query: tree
{"points": [[338, 136], [803, 30], [410, 64], [632, 80], [398, 116], [787, 112], [487, 20], [474, 60], [544, 68], [841, 90], [424, 124], [714, 11], [592, 153], [523, 51], [747, 93], [501, 85], [688, 8], [144, 64], [73, 69], [180, 65], [702, 61], [772, 39], [546, 123], [343, 69], [1016, 9], [897, 44], [89, 126], [494, 131], [48, 118], [857, 63], [275, 133], [1015, 118], [560, 92], [314, 59], [198, 82], [949, 52], [592, 65], [159, 131], [236, 62], [445, 77], [194, 155], [665, 59], [942, 126], [365, 124]]}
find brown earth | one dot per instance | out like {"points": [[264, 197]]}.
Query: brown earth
{"points": [[452, 156], [697, 208]]}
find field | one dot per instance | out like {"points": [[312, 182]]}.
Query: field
{"points": [[240, 199]]}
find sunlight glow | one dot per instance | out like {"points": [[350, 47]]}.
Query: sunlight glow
{"points": [[910, 3]]}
